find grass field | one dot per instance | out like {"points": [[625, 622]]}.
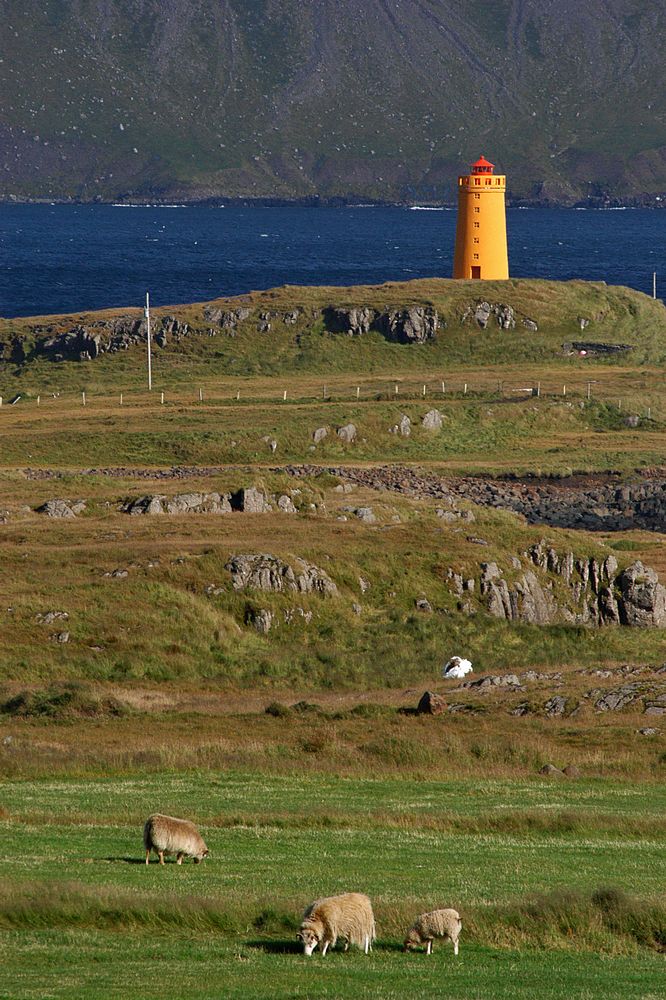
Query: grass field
{"points": [[81, 915], [299, 752]]}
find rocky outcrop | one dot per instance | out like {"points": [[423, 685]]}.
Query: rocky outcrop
{"points": [[526, 600], [267, 572], [413, 325], [85, 342], [250, 501], [347, 434], [352, 321], [181, 503], [62, 508], [432, 421], [226, 319], [481, 312], [642, 599], [431, 704]]}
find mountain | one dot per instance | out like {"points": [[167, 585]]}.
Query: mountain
{"points": [[352, 99]]}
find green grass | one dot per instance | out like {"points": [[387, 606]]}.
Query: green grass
{"points": [[81, 915]]}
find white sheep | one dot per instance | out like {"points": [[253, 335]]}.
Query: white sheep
{"points": [[456, 668], [168, 835], [428, 926], [347, 916]]}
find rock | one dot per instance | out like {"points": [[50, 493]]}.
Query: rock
{"points": [[653, 709], [643, 598], [347, 434], [550, 771], [118, 574], [267, 572], [227, 319], [555, 706], [431, 704], [495, 680], [212, 590], [520, 710], [613, 701], [529, 324], [319, 435], [482, 312], [448, 516], [363, 584], [56, 508], [421, 604], [353, 321], [286, 504], [293, 614], [505, 317], [432, 421], [633, 420], [648, 731], [571, 771], [50, 617], [250, 501], [583, 322], [61, 637], [366, 514], [405, 426], [414, 325], [180, 503], [356, 608], [262, 620]]}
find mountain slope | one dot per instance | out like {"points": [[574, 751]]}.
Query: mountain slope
{"points": [[336, 98]]}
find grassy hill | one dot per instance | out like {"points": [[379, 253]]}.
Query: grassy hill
{"points": [[352, 99]]}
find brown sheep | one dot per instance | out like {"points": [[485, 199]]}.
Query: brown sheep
{"points": [[168, 835], [347, 916]]}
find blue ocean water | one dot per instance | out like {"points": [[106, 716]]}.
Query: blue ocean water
{"points": [[65, 258]]}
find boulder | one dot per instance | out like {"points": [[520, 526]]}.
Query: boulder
{"points": [[57, 508], [555, 706], [432, 421], [550, 771], [366, 514], [347, 434], [405, 426], [250, 501], [180, 503], [571, 771], [262, 620], [431, 704], [643, 599], [422, 604], [353, 321], [319, 435], [286, 504]]}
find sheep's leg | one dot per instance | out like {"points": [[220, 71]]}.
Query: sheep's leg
{"points": [[429, 947], [367, 943], [179, 858], [325, 948], [161, 854], [148, 856], [455, 947]]}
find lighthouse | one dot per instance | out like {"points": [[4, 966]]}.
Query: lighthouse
{"points": [[481, 250]]}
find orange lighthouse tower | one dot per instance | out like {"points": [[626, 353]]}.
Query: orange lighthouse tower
{"points": [[481, 250]]}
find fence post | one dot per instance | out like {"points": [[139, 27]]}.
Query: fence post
{"points": [[358, 392], [284, 395], [38, 398], [538, 390], [589, 390], [564, 390], [465, 389], [396, 389], [162, 398], [443, 389], [83, 398], [121, 399], [201, 395]]}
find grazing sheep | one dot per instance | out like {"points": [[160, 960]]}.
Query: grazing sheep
{"points": [[456, 668], [168, 835], [347, 916], [437, 923]]}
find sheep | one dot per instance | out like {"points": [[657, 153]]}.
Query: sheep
{"points": [[456, 668], [347, 916], [437, 923], [168, 835]]}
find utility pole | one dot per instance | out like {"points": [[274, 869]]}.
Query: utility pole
{"points": [[147, 315]]}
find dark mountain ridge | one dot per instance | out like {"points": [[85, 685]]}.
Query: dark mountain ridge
{"points": [[350, 99]]}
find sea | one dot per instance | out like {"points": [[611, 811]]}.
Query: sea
{"points": [[67, 258]]}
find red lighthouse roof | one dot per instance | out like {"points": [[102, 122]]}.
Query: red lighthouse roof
{"points": [[482, 166]]}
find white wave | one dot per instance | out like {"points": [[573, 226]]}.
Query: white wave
{"points": [[429, 208]]}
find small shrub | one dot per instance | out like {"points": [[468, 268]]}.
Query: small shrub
{"points": [[66, 701], [278, 710]]}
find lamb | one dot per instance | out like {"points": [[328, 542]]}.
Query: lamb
{"points": [[437, 923], [168, 835], [347, 916], [456, 668]]}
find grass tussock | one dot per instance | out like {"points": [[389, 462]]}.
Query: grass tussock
{"points": [[71, 700], [605, 919]]}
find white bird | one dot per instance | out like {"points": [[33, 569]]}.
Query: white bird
{"points": [[457, 667]]}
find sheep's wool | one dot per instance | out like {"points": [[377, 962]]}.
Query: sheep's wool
{"points": [[457, 667]]}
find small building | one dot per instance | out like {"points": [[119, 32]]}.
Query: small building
{"points": [[481, 247]]}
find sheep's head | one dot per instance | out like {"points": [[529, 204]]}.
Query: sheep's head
{"points": [[410, 942], [198, 858], [309, 938]]}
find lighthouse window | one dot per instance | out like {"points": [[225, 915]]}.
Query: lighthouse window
{"points": [[477, 180], [476, 225], [488, 180], [476, 208], [476, 256], [497, 181], [476, 239], [477, 195]]}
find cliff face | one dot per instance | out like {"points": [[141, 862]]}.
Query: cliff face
{"points": [[183, 99]]}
